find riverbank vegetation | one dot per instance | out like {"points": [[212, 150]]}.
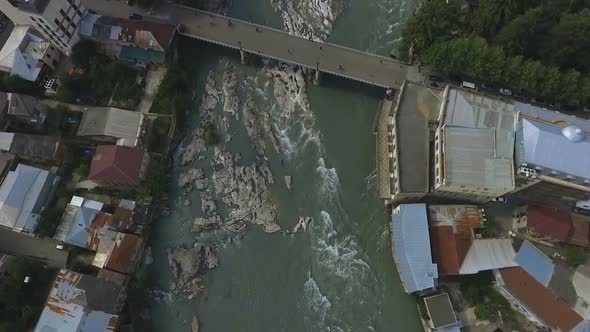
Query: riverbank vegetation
{"points": [[175, 93], [96, 79], [538, 48]]}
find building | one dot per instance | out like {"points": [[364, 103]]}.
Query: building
{"points": [[474, 147], [25, 109], [57, 20], [28, 54], [121, 166], [411, 248], [138, 42], [557, 225], [455, 248], [24, 195], [8, 162], [117, 251], [112, 125], [441, 313], [411, 135], [543, 290], [551, 154], [76, 222], [127, 218], [80, 302], [37, 148]]}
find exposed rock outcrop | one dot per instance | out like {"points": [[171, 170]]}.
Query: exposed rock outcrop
{"points": [[188, 266]]}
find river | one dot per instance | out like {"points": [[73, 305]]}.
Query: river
{"points": [[339, 274]]}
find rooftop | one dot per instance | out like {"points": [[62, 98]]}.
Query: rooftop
{"points": [[418, 105], [535, 263], [411, 247], [112, 122], [76, 221], [441, 311], [581, 233], [559, 148], [34, 147], [79, 302], [22, 53], [117, 164], [555, 312], [117, 251], [551, 222]]}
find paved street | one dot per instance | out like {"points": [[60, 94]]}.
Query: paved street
{"points": [[17, 244]]}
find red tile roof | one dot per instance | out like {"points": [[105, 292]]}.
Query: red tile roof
{"points": [[581, 230], [116, 165], [448, 249], [124, 253], [551, 222], [542, 301]]}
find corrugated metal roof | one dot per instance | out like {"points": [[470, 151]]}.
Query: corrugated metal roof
{"points": [[6, 140], [112, 122], [77, 221], [488, 254], [534, 261], [79, 302], [441, 312], [463, 218], [546, 146], [22, 195], [411, 247], [471, 160]]}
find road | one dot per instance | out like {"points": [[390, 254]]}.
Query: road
{"points": [[17, 244], [268, 42]]}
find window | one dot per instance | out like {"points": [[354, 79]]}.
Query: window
{"points": [[33, 18], [48, 56], [52, 48], [56, 21], [69, 34], [62, 12], [54, 62]]}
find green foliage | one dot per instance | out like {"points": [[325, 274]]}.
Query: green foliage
{"points": [[212, 136], [438, 20], [175, 92], [538, 48], [97, 77], [20, 303], [49, 222], [82, 52], [422, 310], [154, 178], [568, 42], [473, 58], [159, 134], [575, 256], [477, 289]]}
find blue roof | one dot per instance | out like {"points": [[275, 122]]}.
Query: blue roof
{"points": [[534, 261], [411, 247], [583, 326], [136, 54]]}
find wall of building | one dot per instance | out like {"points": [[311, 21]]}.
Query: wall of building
{"points": [[145, 163], [58, 22], [52, 57]]}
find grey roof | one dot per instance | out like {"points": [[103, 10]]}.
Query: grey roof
{"points": [[79, 302], [76, 221], [562, 150], [112, 122], [471, 160], [471, 110], [23, 105], [535, 262], [411, 247], [488, 254], [441, 311], [35, 147], [561, 284], [418, 105], [23, 194]]}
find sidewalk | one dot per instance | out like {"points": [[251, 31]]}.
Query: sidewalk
{"points": [[153, 78]]}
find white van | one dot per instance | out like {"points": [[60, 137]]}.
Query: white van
{"points": [[469, 85]]}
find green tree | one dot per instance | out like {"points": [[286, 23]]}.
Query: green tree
{"points": [[518, 36], [568, 43], [492, 14], [435, 21], [575, 256], [82, 52]]}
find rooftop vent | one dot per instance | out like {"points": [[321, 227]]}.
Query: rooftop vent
{"points": [[574, 133]]}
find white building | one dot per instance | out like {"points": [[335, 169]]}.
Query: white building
{"points": [[28, 54], [57, 20]]}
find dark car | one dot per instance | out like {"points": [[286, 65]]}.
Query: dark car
{"points": [[135, 17]]}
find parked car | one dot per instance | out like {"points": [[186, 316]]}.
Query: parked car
{"points": [[469, 85], [505, 91], [135, 17]]}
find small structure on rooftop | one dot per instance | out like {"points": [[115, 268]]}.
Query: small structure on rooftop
{"points": [[441, 313]]}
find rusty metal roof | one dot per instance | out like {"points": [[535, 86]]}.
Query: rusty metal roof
{"points": [[79, 301]]}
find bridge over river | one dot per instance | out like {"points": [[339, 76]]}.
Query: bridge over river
{"points": [[250, 38]]}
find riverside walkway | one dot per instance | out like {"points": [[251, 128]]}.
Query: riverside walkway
{"points": [[250, 38]]}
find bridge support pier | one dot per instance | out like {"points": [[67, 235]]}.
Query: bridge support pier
{"points": [[243, 57], [317, 77]]}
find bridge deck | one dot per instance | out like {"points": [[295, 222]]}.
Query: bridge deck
{"points": [[276, 44]]}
